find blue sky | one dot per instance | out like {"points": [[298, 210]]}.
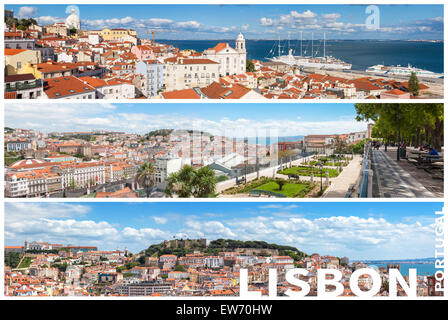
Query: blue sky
{"points": [[359, 230], [217, 118], [255, 21]]}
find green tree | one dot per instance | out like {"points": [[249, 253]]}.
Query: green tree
{"points": [[250, 67], [413, 84], [73, 31], [189, 182], [339, 145], [414, 123], [180, 268], [146, 177], [281, 183], [204, 183]]}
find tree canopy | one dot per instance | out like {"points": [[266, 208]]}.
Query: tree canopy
{"points": [[191, 182], [413, 123]]}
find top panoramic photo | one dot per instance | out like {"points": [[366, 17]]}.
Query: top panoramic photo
{"points": [[223, 51]]}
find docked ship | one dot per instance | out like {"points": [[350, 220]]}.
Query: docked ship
{"points": [[318, 62], [402, 71]]}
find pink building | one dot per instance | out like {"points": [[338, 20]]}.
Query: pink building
{"points": [[143, 52]]}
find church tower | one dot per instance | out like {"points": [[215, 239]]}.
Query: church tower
{"points": [[240, 44]]}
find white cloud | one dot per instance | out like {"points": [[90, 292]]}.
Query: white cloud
{"points": [[308, 14], [161, 220], [27, 12], [23, 210], [189, 24], [266, 21], [46, 20], [79, 117], [356, 237], [331, 16]]}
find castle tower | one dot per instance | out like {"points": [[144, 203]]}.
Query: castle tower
{"points": [[240, 44]]}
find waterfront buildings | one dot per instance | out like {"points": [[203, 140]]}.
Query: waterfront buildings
{"points": [[157, 70]]}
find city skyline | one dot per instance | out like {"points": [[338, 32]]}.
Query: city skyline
{"points": [[400, 22], [238, 120], [368, 231]]}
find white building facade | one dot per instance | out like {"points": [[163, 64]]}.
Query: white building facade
{"points": [[231, 60]]}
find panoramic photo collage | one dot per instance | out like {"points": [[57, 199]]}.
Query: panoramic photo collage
{"points": [[207, 196]]}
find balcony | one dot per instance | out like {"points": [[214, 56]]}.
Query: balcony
{"points": [[17, 86]]}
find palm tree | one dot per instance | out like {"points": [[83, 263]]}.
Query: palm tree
{"points": [[205, 183], [181, 183], [145, 176], [189, 182]]}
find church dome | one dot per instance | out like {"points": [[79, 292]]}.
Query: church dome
{"points": [[240, 37]]}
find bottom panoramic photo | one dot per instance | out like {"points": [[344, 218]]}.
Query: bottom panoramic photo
{"points": [[234, 249]]}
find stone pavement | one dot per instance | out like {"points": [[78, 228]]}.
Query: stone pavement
{"points": [[340, 185], [391, 181]]}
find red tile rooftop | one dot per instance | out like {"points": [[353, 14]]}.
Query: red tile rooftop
{"points": [[66, 86], [218, 91], [395, 92], [181, 94], [13, 52]]}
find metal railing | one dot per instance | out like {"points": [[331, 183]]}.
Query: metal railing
{"points": [[23, 86], [366, 174]]}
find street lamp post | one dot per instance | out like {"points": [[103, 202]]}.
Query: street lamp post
{"points": [[399, 136], [321, 168]]}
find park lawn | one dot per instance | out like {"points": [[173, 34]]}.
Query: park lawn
{"points": [[328, 163], [291, 190], [306, 171]]}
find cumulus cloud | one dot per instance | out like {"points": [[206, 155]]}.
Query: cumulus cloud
{"points": [[27, 12], [79, 117], [331, 23], [353, 236], [266, 21]]}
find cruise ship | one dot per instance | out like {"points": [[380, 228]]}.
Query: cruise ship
{"points": [[323, 62], [402, 71]]}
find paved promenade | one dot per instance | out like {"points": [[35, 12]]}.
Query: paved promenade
{"points": [[339, 186], [267, 172], [391, 181]]}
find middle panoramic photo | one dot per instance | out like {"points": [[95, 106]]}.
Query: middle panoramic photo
{"points": [[138, 150]]}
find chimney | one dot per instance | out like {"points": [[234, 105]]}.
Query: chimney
{"points": [[14, 27]]}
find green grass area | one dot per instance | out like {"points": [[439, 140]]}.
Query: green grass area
{"points": [[11, 157], [26, 262], [306, 171], [245, 188], [327, 163], [291, 190]]}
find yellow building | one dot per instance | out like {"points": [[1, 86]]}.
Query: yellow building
{"points": [[15, 59], [117, 34], [49, 69]]}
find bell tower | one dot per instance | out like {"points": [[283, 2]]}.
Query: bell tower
{"points": [[240, 44]]}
